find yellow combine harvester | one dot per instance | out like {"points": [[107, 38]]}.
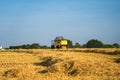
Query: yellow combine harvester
{"points": [[59, 42]]}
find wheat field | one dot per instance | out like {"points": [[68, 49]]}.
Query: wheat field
{"points": [[71, 64]]}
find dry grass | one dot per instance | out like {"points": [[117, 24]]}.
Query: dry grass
{"points": [[72, 64]]}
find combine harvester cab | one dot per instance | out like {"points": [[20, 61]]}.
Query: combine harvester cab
{"points": [[59, 43]]}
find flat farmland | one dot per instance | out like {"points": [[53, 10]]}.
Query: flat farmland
{"points": [[71, 64]]}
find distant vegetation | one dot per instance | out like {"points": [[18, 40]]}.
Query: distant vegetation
{"points": [[29, 46], [93, 43]]}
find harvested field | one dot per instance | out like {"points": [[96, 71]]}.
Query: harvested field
{"points": [[71, 64]]}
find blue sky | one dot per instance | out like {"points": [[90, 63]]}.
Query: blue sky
{"points": [[40, 21]]}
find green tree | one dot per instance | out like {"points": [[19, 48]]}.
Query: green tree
{"points": [[116, 45], [35, 45], [70, 44], [93, 43], [83, 46], [108, 46], [77, 45]]}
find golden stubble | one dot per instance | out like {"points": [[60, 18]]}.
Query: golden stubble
{"points": [[71, 64]]}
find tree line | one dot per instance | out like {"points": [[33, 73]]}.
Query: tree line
{"points": [[29, 46], [93, 43]]}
